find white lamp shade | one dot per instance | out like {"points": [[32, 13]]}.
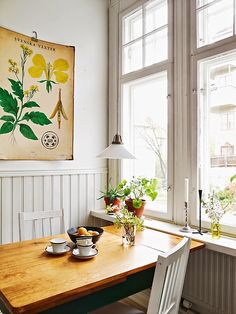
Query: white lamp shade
{"points": [[116, 151]]}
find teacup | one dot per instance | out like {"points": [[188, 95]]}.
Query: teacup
{"points": [[58, 245], [85, 250], [84, 241]]}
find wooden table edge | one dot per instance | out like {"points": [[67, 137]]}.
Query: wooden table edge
{"points": [[85, 290]]}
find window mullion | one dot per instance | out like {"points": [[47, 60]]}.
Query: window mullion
{"points": [[143, 32], [234, 16]]}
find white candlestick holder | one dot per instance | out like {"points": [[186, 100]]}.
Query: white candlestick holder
{"points": [[186, 227]]}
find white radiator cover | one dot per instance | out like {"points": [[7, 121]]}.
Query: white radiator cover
{"points": [[210, 282], [76, 191]]}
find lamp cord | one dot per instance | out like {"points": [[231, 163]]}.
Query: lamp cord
{"points": [[118, 73]]}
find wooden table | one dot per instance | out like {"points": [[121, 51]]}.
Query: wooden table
{"points": [[33, 281]]}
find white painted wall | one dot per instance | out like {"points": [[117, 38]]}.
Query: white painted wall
{"points": [[71, 185], [83, 24]]}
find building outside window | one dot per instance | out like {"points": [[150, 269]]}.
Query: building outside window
{"points": [[227, 121]]}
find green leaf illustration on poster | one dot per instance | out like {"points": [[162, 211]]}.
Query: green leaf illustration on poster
{"points": [[17, 106]]}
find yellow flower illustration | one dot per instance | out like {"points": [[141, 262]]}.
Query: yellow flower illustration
{"points": [[13, 68], [26, 50], [57, 69], [34, 88], [26, 93]]}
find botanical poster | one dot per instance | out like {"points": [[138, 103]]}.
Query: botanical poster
{"points": [[36, 98]]}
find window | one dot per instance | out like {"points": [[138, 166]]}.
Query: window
{"points": [[146, 131], [215, 20], [146, 126], [227, 121], [216, 100], [178, 106], [145, 34]]}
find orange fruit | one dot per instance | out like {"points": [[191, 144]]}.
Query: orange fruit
{"points": [[82, 231]]}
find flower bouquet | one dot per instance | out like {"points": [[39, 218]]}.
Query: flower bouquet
{"points": [[130, 224], [215, 207]]}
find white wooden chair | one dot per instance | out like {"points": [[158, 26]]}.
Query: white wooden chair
{"points": [[167, 284], [41, 223]]}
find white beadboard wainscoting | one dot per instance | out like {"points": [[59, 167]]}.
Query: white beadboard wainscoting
{"points": [[76, 191]]}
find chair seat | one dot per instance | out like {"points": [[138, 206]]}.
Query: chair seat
{"points": [[117, 308]]}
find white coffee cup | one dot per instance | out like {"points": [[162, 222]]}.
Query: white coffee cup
{"points": [[85, 250], [84, 241], [58, 245]]}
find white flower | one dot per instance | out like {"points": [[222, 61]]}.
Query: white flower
{"points": [[214, 208]]}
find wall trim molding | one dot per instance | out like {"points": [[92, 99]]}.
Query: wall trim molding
{"points": [[27, 173]]}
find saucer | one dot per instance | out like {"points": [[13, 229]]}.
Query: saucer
{"points": [[92, 254], [50, 250]]}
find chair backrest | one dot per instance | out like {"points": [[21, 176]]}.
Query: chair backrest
{"points": [[168, 280], [41, 223]]}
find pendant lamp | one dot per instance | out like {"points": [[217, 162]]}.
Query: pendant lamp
{"points": [[117, 148]]}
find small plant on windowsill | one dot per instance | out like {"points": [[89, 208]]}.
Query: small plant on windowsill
{"points": [[112, 197], [135, 192]]}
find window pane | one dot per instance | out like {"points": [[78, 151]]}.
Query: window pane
{"points": [[156, 47], [156, 14], [215, 22], [217, 124], [200, 3], [145, 130], [132, 26], [132, 57]]}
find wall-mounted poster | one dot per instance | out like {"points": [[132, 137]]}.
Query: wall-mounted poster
{"points": [[36, 98]]}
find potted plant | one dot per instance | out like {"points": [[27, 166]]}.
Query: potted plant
{"points": [[112, 197], [130, 223], [136, 191]]}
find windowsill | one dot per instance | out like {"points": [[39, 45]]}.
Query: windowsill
{"points": [[226, 245]]}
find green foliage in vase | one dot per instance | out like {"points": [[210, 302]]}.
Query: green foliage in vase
{"points": [[125, 217], [17, 104]]}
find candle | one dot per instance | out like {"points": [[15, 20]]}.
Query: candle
{"points": [[186, 190]]}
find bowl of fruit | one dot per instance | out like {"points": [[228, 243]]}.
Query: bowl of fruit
{"points": [[79, 232]]}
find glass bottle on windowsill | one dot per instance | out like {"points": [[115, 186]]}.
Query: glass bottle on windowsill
{"points": [[215, 229]]}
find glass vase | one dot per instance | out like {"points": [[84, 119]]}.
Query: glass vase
{"points": [[215, 230], [128, 236]]}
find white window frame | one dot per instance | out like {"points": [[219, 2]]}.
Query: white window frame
{"points": [[194, 49], [143, 36], [179, 68], [209, 51], [167, 66]]}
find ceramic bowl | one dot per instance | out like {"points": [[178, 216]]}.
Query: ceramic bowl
{"points": [[72, 232]]}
